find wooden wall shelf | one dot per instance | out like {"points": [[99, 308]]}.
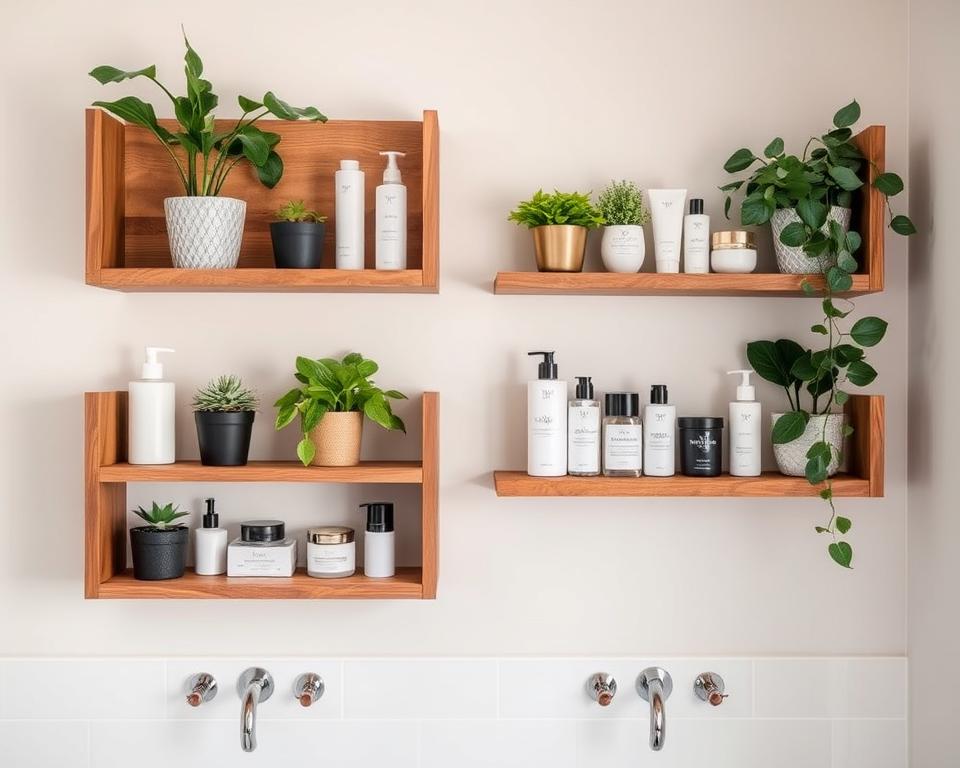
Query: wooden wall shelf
{"points": [[107, 473], [129, 174], [864, 477]]}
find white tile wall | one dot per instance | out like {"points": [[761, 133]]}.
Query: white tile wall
{"points": [[454, 713]]}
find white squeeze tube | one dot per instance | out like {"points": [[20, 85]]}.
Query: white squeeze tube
{"points": [[666, 205]]}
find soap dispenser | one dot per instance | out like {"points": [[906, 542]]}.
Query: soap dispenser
{"points": [[391, 229], [210, 553], [546, 421], [583, 427], [745, 417], [151, 414]]}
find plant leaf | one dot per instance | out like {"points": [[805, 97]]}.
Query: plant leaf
{"points": [[794, 234], [789, 427], [846, 262], [106, 74], [902, 225], [271, 171], [739, 160], [842, 553], [314, 413], [306, 451], [813, 213], [841, 397], [766, 360], [774, 148], [255, 147], [819, 328], [285, 415], [133, 110], [861, 373], [848, 115], [248, 105], [889, 184], [838, 280], [845, 178], [844, 524], [868, 331]]}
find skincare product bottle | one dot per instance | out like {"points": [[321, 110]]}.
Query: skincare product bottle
{"points": [[696, 239], [349, 208], [666, 207], [378, 543], [583, 430], [734, 252], [391, 227], [331, 552], [744, 429], [659, 423], [210, 542], [701, 445], [622, 435], [546, 421], [152, 406], [262, 550]]}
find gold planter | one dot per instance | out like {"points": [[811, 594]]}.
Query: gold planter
{"points": [[337, 439], [559, 247]]}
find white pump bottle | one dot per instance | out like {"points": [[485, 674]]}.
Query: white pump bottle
{"points": [[151, 414], [391, 229], [745, 429]]}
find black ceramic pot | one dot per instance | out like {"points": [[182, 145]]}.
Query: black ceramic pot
{"points": [[224, 437], [297, 244], [159, 554]]}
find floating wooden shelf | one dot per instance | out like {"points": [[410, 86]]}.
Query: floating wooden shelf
{"points": [[129, 174], [864, 477], [107, 473], [868, 220]]}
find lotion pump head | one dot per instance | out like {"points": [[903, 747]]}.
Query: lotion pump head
{"points": [[152, 367], [210, 518], [746, 390], [584, 388], [391, 174], [547, 369]]}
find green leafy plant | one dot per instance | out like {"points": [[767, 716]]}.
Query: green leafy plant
{"points": [[224, 394], [160, 518], [296, 211], [621, 202], [208, 155], [338, 386], [557, 208]]}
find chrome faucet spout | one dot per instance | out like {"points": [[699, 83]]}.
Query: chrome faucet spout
{"points": [[255, 685], [655, 686]]}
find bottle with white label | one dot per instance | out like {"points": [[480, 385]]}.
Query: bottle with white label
{"points": [[659, 428], [546, 421], [745, 429], [210, 541], [349, 212], [583, 431], [391, 227], [696, 239], [622, 435], [151, 415]]}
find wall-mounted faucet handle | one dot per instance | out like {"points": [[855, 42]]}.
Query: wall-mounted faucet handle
{"points": [[308, 688], [655, 685], [709, 687], [602, 688], [254, 686], [201, 688]]}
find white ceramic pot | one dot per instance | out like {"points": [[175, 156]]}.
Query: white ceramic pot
{"points": [[792, 457], [622, 248], [204, 232], [791, 259]]}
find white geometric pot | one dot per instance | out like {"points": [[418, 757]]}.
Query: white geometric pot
{"points": [[622, 248], [792, 457], [790, 258], [205, 232]]}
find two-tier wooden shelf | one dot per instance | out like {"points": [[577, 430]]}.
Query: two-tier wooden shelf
{"points": [[106, 476]]}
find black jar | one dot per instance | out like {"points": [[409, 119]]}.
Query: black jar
{"points": [[701, 445]]}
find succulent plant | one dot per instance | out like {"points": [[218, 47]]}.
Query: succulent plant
{"points": [[225, 393], [160, 518], [296, 210]]}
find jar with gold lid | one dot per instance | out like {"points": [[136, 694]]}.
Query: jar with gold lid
{"points": [[733, 251], [331, 552]]}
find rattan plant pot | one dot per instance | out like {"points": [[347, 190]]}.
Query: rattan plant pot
{"points": [[337, 439]]}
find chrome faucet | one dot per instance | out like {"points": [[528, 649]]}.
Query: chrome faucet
{"points": [[255, 685], [709, 687], [602, 688], [201, 688], [655, 685]]}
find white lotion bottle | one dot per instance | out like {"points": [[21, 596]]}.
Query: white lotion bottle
{"points": [[210, 544], [744, 429], [151, 414], [546, 421], [696, 239], [379, 549], [583, 428], [659, 428], [666, 208], [349, 214], [391, 227]]}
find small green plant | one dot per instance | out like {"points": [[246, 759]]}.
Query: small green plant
{"points": [[622, 203], [160, 518], [224, 394], [557, 208], [296, 211], [338, 386]]}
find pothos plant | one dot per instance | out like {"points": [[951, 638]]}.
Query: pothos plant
{"points": [[208, 155]]}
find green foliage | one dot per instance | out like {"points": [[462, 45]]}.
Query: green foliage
{"points": [[296, 210], [558, 208], [208, 155], [622, 203], [160, 518], [338, 386], [225, 393]]}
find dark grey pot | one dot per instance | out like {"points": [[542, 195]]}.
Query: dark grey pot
{"points": [[224, 437], [159, 555], [297, 244]]}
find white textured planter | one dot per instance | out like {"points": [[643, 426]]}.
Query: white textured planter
{"points": [[623, 248], [791, 259], [205, 232], [792, 457]]}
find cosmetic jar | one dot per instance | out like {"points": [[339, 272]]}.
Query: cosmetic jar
{"points": [[622, 435], [733, 251], [701, 445], [331, 552], [262, 550]]}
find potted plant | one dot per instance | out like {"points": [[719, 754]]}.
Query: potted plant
{"points": [[297, 236], [224, 410], [559, 223], [807, 199], [331, 403], [622, 246], [204, 228], [159, 548]]}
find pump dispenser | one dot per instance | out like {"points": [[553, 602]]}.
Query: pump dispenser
{"points": [[151, 411], [745, 421], [391, 229], [210, 542], [583, 425], [546, 421]]}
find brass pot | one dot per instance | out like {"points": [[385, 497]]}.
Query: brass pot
{"points": [[337, 439], [559, 247]]}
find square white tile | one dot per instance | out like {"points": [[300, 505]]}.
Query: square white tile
{"points": [[869, 743], [497, 744], [51, 744]]}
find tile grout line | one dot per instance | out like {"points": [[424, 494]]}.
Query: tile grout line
{"points": [[343, 688]]}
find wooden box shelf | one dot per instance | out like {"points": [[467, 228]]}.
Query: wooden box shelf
{"points": [[129, 174], [107, 473]]}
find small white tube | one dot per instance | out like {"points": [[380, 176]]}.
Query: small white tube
{"points": [[667, 208]]}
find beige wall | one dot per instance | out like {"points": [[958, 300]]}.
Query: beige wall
{"points": [[529, 95]]}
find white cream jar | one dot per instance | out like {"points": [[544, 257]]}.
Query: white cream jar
{"points": [[733, 251], [331, 552]]}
